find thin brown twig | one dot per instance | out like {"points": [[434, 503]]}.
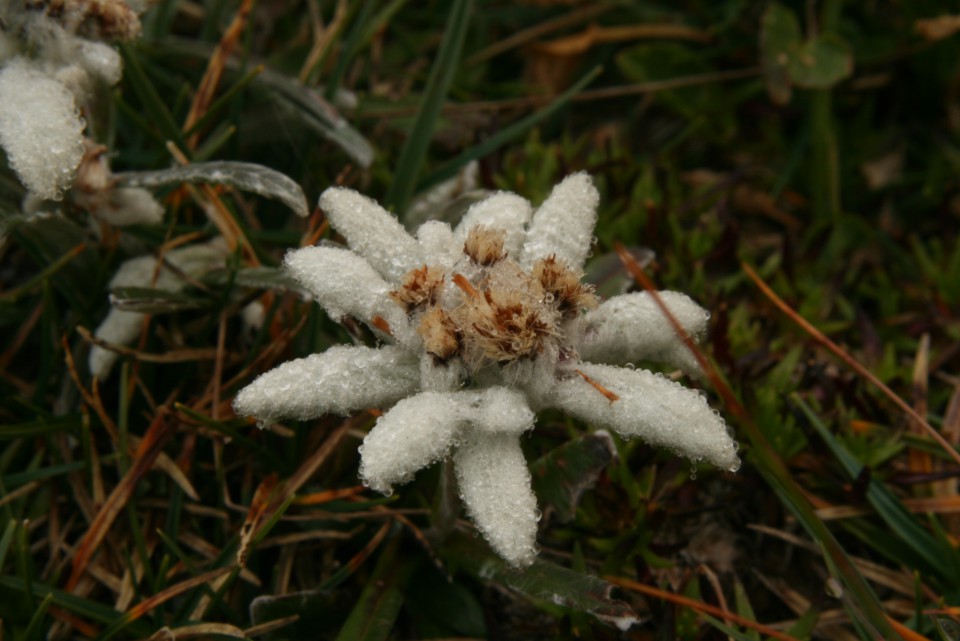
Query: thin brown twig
{"points": [[562, 21], [698, 606], [175, 356]]}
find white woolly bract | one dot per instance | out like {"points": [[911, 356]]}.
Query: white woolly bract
{"points": [[371, 232], [99, 60], [121, 327], [344, 283], [437, 244], [422, 429], [415, 432], [40, 129], [495, 487], [127, 206], [338, 381], [563, 225], [632, 327], [650, 407], [503, 211]]}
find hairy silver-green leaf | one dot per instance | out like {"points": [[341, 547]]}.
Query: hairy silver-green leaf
{"points": [[317, 114], [246, 176], [261, 277], [154, 301], [561, 475], [542, 580]]}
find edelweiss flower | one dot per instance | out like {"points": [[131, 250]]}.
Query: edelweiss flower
{"points": [[486, 324], [52, 54]]}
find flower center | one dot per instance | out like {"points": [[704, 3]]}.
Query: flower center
{"points": [[487, 310]]}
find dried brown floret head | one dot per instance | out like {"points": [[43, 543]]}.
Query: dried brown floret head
{"points": [[484, 245], [97, 19], [440, 334], [419, 288], [501, 325], [564, 287]]}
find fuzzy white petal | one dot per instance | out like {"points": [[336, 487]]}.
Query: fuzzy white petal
{"points": [[100, 60], [128, 206], [503, 210], [632, 327], [563, 224], [40, 129], [346, 284], [651, 407], [372, 232], [337, 381], [498, 409], [441, 377], [122, 327], [119, 327], [437, 244], [414, 433], [495, 487]]}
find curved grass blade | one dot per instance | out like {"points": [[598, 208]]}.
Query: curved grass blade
{"points": [[83, 607], [441, 74], [246, 176], [373, 616]]}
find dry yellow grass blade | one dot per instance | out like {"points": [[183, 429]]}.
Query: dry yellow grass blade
{"points": [[147, 452], [594, 35], [211, 77], [173, 356]]}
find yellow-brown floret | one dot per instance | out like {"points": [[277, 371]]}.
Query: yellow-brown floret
{"points": [[484, 245], [440, 334], [564, 285], [419, 288]]}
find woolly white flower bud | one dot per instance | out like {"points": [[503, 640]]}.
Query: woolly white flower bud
{"points": [[40, 129]]}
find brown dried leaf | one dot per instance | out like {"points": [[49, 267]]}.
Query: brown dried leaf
{"points": [[933, 29], [146, 455]]}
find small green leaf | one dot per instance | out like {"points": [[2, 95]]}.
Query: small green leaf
{"points": [[821, 62], [560, 476], [428, 112], [779, 36]]}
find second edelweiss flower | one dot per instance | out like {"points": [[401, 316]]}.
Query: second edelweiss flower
{"points": [[487, 324]]}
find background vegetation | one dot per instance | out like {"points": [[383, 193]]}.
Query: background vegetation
{"points": [[778, 162]]}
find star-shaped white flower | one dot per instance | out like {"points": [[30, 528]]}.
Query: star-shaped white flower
{"points": [[486, 324]]}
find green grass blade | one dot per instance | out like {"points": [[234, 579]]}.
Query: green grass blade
{"points": [[373, 616], [441, 74], [5, 541], [939, 559], [150, 99], [32, 633], [349, 49]]}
